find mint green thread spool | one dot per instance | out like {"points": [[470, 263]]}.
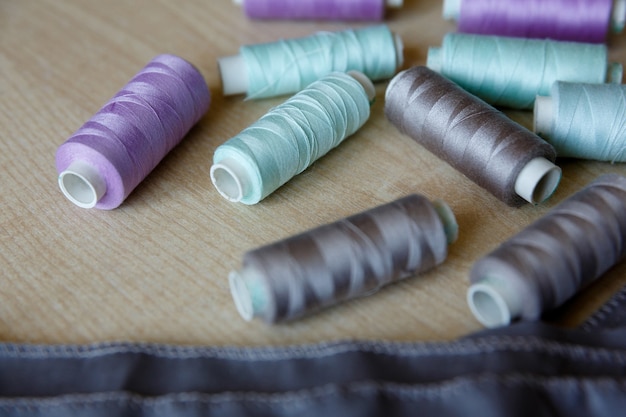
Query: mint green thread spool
{"points": [[287, 66], [511, 72], [585, 121], [288, 139]]}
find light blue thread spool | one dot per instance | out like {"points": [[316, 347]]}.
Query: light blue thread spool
{"points": [[586, 121], [287, 66], [288, 139], [511, 72]]}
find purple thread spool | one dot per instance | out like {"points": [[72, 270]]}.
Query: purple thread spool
{"points": [[569, 20], [116, 149], [555, 257], [372, 10]]}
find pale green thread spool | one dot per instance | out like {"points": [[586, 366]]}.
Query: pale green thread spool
{"points": [[287, 66], [511, 72], [585, 121], [288, 139]]}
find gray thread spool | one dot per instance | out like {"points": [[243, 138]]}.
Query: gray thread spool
{"points": [[498, 154], [349, 258], [552, 259]]}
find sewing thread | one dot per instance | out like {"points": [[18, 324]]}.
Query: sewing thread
{"points": [[584, 120], [511, 72], [569, 20], [318, 9], [481, 142], [287, 66], [352, 257], [552, 259], [105, 159], [289, 138]]}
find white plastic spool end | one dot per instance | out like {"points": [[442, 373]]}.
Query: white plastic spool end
{"points": [[537, 180], [543, 116], [618, 17], [82, 184], [494, 303], [367, 84], [241, 295], [433, 59], [234, 75], [451, 9], [395, 4], [230, 179], [450, 225], [238, 2]]}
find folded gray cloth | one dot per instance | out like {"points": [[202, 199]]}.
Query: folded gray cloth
{"points": [[524, 369]]}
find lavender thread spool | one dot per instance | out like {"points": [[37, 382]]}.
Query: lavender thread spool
{"points": [[339, 261], [105, 159], [569, 20], [287, 66], [552, 259], [489, 148], [318, 9]]}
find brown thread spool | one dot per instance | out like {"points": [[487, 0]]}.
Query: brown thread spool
{"points": [[498, 154], [552, 259], [342, 260]]}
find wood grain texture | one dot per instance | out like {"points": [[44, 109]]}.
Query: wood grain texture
{"points": [[155, 269]]}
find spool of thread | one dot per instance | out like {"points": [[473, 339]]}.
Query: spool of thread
{"points": [[568, 20], [498, 154], [584, 120], [511, 72], [318, 9], [349, 258], [552, 259], [116, 149], [287, 66], [288, 139]]}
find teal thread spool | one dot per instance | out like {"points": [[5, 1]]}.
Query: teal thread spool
{"points": [[511, 72], [289, 138], [287, 66], [585, 121]]}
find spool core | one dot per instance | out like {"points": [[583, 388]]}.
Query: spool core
{"points": [[494, 303], [537, 180], [82, 184]]}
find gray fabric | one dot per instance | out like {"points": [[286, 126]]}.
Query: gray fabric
{"points": [[524, 369]]}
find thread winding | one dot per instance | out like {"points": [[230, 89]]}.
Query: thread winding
{"points": [[339, 261], [318, 9], [569, 20], [584, 120], [481, 142], [287, 66], [105, 159], [511, 72], [552, 259], [289, 138]]}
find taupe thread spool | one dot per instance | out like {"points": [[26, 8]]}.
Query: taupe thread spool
{"points": [[498, 154], [349, 258], [552, 259]]}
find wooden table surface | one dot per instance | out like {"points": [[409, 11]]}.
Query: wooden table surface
{"points": [[155, 269]]}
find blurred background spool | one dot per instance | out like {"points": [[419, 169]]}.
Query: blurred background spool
{"points": [[568, 20], [287, 66], [347, 10], [511, 72], [585, 121]]}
